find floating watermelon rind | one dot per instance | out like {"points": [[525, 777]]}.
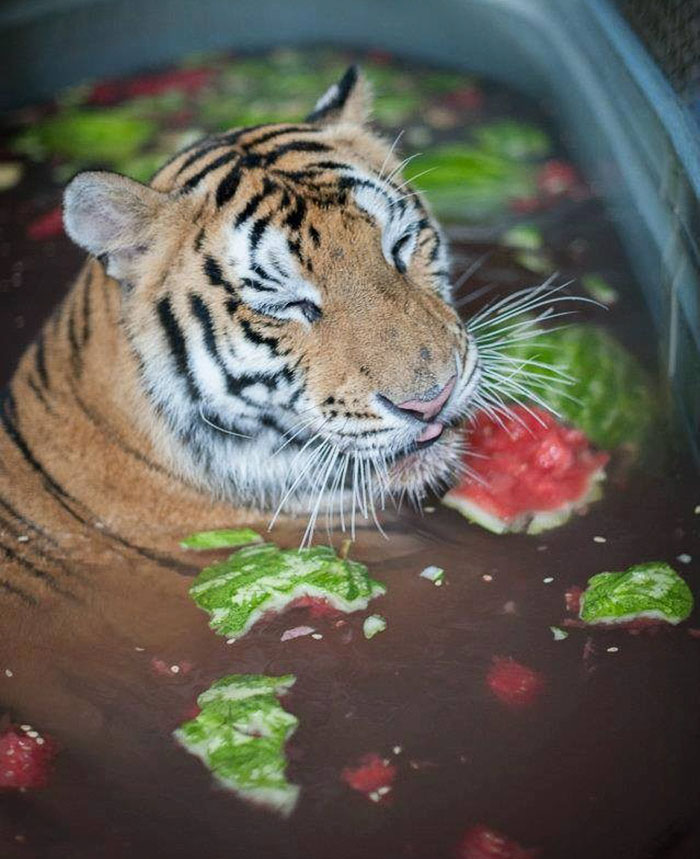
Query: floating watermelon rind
{"points": [[651, 590]]}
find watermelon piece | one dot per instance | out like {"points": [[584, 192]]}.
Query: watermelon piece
{"points": [[513, 683], [527, 472], [480, 842], [373, 775], [221, 539], [240, 733], [262, 578], [611, 399], [25, 758], [652, 591], [46, 226]]}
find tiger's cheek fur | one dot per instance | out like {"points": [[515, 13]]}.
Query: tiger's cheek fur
{"points": [[379, 333]]}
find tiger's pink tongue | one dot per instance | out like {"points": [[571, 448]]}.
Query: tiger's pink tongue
{"points": [[430, 432]]}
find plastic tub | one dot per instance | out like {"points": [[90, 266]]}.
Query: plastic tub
{"points": [[619, 115]]}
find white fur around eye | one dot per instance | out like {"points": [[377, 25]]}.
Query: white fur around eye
{"points": [[398, 223], [270, 280]]}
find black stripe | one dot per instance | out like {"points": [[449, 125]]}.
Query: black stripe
{"points": [[8, 419], [40, 359], [258, 338], [257, 231], [251, 283], [228, 186], [235, 136], [237, 384], [295, 146], [196, 145], [87, 284], [278, 132], [208, 144], [314, 235], [215, 275], [107, 430], [295, 218], [176, 341], [75, 357], [8, 416], [201, 311], [294, 246], [261, 272], [39, 394], [193, 181], [250, 208], [26, 524], [36, 572]]}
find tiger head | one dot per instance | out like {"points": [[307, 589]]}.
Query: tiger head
{"points": [[286, 296]]}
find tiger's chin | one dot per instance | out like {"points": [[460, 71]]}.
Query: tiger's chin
{"points": [[411, 475], [429, 469]]}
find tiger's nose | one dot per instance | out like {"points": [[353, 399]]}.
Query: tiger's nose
{"points": [[426, 409]]}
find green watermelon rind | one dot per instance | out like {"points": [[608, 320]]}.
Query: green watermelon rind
{"points": [[650, 590], [533, 522], [240, 736], [262, 578], [611, 399]]}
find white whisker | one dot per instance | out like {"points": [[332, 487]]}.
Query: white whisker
{"points": [[217, 427]]}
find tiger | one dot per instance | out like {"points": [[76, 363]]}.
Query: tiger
{"points": [[267, 325], [266, 328]]}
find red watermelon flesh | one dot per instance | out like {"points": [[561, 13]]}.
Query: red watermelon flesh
{"points": [[527, 472], [480, 842], [25, 758]]}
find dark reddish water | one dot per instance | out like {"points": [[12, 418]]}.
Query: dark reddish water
{"points": [[605, 764]]}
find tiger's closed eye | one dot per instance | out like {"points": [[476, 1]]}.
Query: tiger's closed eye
{"points": [[312, 312]]}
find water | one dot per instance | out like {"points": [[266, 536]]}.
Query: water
{"points": [[605, 764]]}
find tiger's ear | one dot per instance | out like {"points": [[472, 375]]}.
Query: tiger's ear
{"points": [[111, 217], [348, 101]]}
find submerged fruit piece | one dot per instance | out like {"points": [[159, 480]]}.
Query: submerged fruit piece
{"points": [[25, 758], [99, 137], [514, 684], [480, 842], [526, 472], [222, 539], [46, 226], [468, 182], [433, 574], [611, 398], [373, 775], [373, 625], [653, 590], [240, 735], [238, 591], [511, 139]]}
